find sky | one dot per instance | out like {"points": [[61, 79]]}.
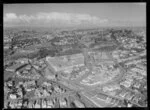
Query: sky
{"points": [[75, 14]]}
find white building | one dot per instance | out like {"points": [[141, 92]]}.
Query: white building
{"points": [[63, 62]]}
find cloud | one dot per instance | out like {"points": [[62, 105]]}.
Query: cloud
{"points": [[10, 17], [56, 18]]}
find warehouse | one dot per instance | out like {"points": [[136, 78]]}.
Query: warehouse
{"points": [[63, 62]]}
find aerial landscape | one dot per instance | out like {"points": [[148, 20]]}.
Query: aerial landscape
{"points": [[75, 55]]}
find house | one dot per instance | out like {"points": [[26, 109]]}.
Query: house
{"points": [[30, 104], [19, 104], [11, 104], [50, 103], [43, 104], [37, 104], [62, 102]]}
